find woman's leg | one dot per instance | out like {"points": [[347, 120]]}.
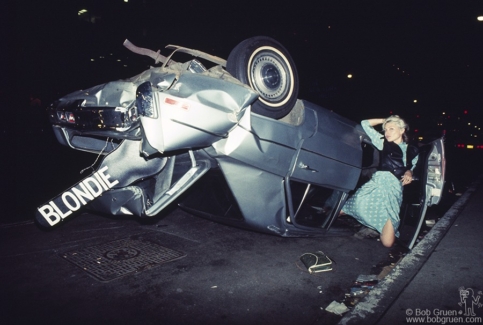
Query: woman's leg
{"points": [[387, 235]]}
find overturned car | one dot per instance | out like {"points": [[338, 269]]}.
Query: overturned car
{"points": [[234, 139]]}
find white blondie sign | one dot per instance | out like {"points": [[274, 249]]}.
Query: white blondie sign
{"points": [[76, 197]]}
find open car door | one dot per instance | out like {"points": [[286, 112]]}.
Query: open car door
{"points": [[426, 190]]}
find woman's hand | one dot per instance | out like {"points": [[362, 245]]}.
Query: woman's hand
{"points": [[407, 177]]}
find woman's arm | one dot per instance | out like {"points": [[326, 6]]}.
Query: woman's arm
{"points": [[376, 137], [375, 121], [408, 175]]}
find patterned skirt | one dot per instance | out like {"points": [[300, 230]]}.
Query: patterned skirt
{"points": [[377, 201]]}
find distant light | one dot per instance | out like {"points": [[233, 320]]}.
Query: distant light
{"points": [[444, 113], [415, 101], [480, 18], [126, 0], [349, 76], [82, 11]]}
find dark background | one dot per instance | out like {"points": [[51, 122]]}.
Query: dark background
{"points": [[397, 51]]}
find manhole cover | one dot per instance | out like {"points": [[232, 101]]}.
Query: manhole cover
{"points": [[115, 259]]}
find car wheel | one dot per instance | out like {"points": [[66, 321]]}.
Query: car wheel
{"points": [[266, 66]]}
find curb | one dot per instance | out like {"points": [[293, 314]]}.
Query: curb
{"points": [[373, 306]]}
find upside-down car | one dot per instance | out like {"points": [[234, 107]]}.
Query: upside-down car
{"points": [[234, 139]]}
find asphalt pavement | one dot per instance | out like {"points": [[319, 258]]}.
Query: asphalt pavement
{"points": [[440, 280], [80, 272], [180, 269]]}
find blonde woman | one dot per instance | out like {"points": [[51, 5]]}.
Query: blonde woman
{"points": [[377, 203]]}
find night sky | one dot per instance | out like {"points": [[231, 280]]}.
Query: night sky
{"points": [[397, 51]]}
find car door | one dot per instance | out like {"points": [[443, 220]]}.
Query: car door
{"points": [[426, 190]]}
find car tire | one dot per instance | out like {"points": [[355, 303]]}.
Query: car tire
{"points": [[266, 66]]}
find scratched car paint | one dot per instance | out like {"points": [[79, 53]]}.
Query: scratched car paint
{"points": [[233, 138]]}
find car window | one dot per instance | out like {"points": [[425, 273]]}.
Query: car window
{"points": [[313, 205]]}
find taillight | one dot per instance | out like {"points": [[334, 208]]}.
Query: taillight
{"points": [[61, 116], [70, 117], [66, 117]]}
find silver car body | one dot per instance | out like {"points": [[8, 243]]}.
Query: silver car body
{"points": [[199, 120]]}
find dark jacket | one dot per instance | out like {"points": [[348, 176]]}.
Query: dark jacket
{"points": [[391, 159]]}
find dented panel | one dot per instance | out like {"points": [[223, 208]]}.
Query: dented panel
{"points": [[178, 124]]}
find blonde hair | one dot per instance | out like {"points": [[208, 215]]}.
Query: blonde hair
{"points": [[399, 122]]}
